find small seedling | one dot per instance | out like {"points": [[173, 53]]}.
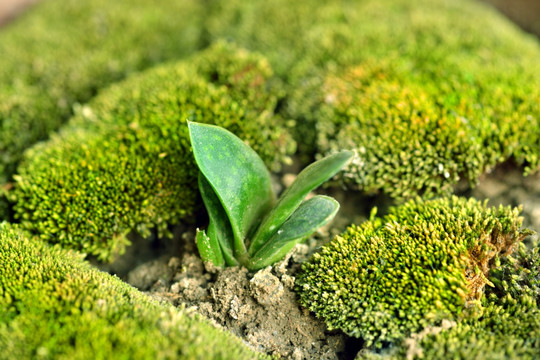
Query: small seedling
{"points": [[247, 226]]}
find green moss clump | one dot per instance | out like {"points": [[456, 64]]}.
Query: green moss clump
{"points": [[507, 328], [416, 137], [63, 51], [124, 161], [53, 305], [424, 262], [425, 95]]}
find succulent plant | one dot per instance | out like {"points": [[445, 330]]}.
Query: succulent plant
{"points": [[246, 228]]}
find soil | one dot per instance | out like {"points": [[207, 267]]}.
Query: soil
{"points": [[261, 308], [506, 185], [525, 13], [10, 9]]}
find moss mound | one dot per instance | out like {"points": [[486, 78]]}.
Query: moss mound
{"points": [[124, 162], [425, 95], [424, 262], [507, 328], [63, 51], [414, 136], [53, 305]]}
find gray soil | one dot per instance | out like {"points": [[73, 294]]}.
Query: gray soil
{"points": [[507, 186], [261, 307]]}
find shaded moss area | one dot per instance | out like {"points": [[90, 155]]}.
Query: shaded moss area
{"points": [[53, 305], [424, 262], [124, 161], [62, 51]]}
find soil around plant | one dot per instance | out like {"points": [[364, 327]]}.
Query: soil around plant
{"points": [[261, 308]]}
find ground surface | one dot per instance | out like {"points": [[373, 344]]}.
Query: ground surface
{"points": [[262, 308], [526, 13], [9, 9]]}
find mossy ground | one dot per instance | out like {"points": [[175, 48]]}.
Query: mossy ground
{"points": [[422, 263], [53, 305], [423, 52], [124, 162], [429, 93]]}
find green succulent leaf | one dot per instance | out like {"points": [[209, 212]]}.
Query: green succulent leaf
{"points": [[219, 227], [209, 248], [238, 177], [309, 179], [308, 217]]}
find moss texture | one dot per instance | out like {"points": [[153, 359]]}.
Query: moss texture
{"points": [[466, 92], [53, 305], [424, 262], [417, 136], [124, 162], [62, 51], [507, 328], [425, 95]]}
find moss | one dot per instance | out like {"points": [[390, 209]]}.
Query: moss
{"points": [[124, 162], [53, 305], [373, 75], [482, 73], [413, 137], [507, 328], [424, 262], [62, 51]]}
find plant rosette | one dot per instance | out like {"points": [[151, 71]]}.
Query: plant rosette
{"points": [[246, 225]]}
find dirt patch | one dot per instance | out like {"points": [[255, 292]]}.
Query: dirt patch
{"points": [[10, 9], [261, 308], [506, 185], [525, 13]]}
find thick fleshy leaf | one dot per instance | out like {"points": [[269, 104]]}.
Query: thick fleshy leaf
{"points": [[219, 228], [308, 217], [308, 179], [209, 249], [237, 175]]}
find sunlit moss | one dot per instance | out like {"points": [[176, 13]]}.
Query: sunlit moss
{"points": [[53, 305], [425, 262], [124, 162]]}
